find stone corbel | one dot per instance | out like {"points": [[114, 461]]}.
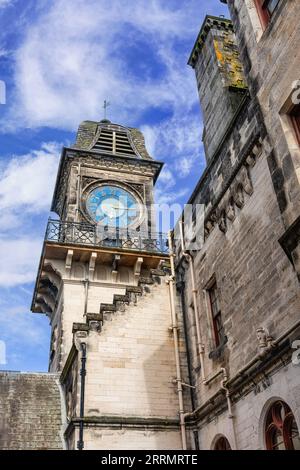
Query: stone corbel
{"points": [[54, 269], [68, 265], [222, 222], [48, 300], [92, 265], [53, 278], [137, 269], [265, 340], [238, 195], [209, 226], [257, 150], [230, 210], [245, 180], [80, 334], [250, 160], [40, 301], [115, 268], [94, 321]]}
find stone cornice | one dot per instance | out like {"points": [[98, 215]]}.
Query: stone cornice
{"points": [[233, 194], [136, 422]]}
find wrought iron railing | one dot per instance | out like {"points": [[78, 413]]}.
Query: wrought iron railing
{"points": [[88, 234]]}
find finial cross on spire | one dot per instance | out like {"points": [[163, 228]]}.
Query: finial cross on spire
{"points": [[105, 106]]}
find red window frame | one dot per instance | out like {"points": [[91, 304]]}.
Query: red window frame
{"points": [[281, 428], [264, 12], [216, 315]]}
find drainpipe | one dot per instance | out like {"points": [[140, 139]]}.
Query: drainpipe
{"points": [[200, 344], [224, 387], [80, 443], [181, 288], [86, 283], [171, 283]]}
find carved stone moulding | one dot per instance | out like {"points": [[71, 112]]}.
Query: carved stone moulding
{"points": [[234, 198]]}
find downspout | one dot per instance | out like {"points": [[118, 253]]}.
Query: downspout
{"points": [[171, 283], [200, 345], [224, 387], [80, 443], [86, 283], [189, 355]]}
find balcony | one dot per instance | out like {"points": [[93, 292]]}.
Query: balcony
{"points": [[71, 233]]}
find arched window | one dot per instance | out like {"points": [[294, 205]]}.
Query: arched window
{"points": [[281, 428], [222, 444]]}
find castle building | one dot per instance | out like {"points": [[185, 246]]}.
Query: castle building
{"points": [[156, 344], [244, 319]]}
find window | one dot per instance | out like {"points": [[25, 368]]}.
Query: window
{"points": [[265, 9], [281, 428], [295, 117], [216, 315], [222, 444]]}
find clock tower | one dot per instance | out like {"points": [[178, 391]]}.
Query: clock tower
{"points": [[104, 281]]}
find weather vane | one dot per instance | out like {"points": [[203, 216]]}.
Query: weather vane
{"points": [[105, 106]]}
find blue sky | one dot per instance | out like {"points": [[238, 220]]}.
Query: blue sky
{"points": [[60, 59]]}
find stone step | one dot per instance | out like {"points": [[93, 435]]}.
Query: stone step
{"points": [[146, 281], [121, 298], [104, 308]]}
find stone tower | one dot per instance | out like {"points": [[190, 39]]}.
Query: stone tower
{"points": [[102, 283], [220, 79]]}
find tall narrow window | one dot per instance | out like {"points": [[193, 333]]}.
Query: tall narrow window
{"points": [[295, 117], [265, 9], [216, 315], [281, 428]]}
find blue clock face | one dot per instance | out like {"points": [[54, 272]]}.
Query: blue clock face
{"points": [[113, 206]]}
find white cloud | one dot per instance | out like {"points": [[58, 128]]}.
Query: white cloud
{"points": [[26, 187], [166, 178], [72, 58], [184, 166], [177, 141], [169, 197], [19, 260], [26, 184], [5, 3]]}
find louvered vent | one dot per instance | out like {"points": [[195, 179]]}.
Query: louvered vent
{"points": [[115, 142]]}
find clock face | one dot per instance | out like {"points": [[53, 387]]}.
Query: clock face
{"points": [[113, 206]]}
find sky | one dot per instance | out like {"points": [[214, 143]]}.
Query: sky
{"points": [[59, 60]]}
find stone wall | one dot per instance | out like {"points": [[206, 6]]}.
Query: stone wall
{"points": [[272, 63], [257, 285], [250, 413], [30, 412], [250, 192], [130, 374]]}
